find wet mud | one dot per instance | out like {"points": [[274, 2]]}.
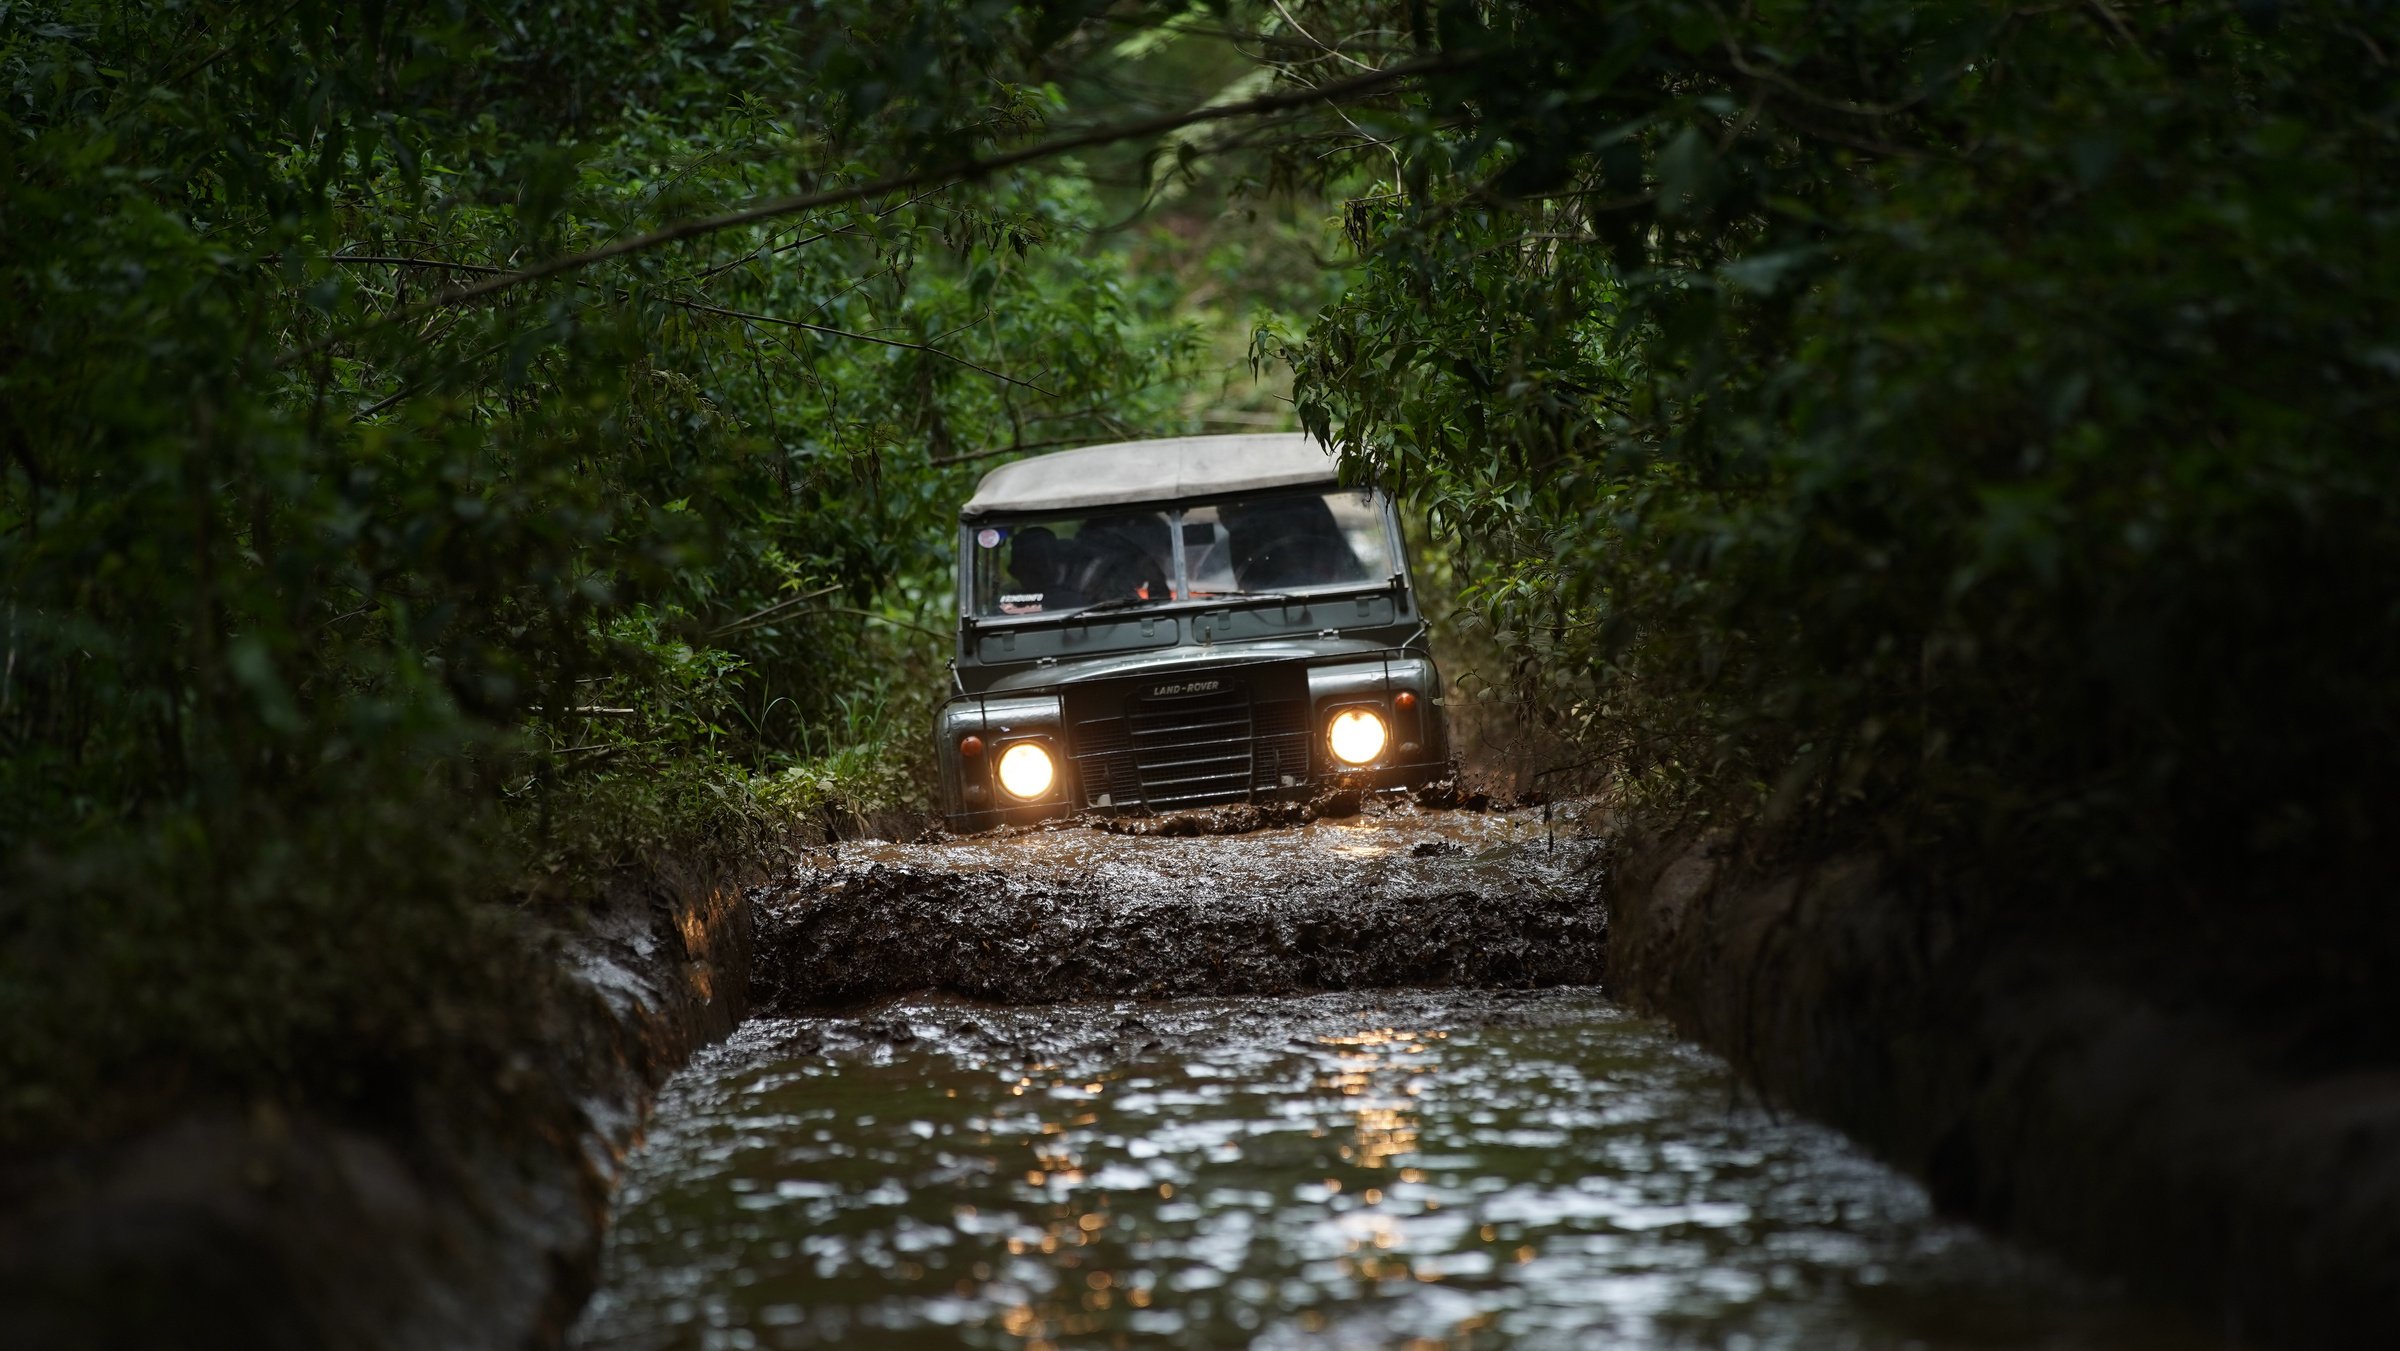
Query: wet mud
{"points": [[1366, 1170], [1387, 893], [1289, 1083]]}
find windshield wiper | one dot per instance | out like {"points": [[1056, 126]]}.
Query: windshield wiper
{"points": [[1120, 603], [1205, 598]]}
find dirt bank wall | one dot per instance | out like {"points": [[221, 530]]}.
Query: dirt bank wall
{"points": [[251, 1227], [2030, 1086]]}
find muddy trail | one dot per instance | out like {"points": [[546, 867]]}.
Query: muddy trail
{"points": [[1365, 1170], [1344, 1077], [1238, 902]]}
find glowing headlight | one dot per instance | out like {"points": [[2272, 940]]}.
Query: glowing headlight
{"points": [[1355, 736], [1026, 770]]}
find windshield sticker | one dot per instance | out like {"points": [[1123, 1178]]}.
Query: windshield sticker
{"points": [[988, 537], [1023, 603]]}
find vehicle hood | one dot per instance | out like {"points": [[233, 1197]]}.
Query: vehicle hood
{"points": [[1188, 657]]}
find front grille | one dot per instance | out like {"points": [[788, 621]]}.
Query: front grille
{"points": [[1104, 763], [1279, 741], [1192, 750], [1156, 743]]}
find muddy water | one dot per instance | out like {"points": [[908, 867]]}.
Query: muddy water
{"points": [[1370, 1168]]}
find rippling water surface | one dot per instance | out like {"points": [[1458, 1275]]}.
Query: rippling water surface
{"points": [[1385, 1170]]}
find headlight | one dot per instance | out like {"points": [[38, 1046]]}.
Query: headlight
{"points": [[1026, 771], [1356, 736]]}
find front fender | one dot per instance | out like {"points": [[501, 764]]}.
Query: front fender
{"points": [[970, 797], [1420, 734]]}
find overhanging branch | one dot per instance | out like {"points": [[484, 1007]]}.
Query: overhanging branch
{"points": [[961, 171], [833, 332]]}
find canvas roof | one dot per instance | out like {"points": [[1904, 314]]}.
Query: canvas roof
{"points": [[1151, 471]]}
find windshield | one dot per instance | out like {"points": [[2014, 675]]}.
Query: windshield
{"points": [[1284, 542], [1270, 542]]}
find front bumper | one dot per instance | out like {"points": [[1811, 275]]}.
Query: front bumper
{"points": [[1203, 737]]}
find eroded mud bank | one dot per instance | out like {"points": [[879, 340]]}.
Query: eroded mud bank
{"points": [[1394, 895], [2038, 1080], [255, 1227]]}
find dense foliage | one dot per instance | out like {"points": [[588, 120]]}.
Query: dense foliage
{"points": [[1963, 427], [1960, 425], [336, 604]]}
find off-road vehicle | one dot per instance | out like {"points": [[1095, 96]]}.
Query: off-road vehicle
{"points": [[1152, 625]]}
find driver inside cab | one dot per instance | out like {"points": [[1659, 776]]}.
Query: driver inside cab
{"points": [[1110, 558]]}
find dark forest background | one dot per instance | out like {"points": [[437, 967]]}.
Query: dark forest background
{"points": [[452, 451]]}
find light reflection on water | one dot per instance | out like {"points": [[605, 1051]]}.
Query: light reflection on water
{"points": [[1381, 1170]]}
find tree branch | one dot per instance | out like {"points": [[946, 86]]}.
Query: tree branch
{"points": [[878, 618], [862, 337], [997, 451], [786, 603], [970, 168], [757, 254], [442, 263]]}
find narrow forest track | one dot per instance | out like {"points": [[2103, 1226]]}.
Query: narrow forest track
{"points": [[1286, 1088], [1393, 895]]}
